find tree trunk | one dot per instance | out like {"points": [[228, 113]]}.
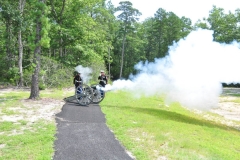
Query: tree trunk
{"points": [[122, 57], [9, 44], [60, 44], [20, 58], [20, 45], [36, 60], [109, 63]]}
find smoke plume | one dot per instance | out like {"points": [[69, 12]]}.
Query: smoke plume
{"points": [[85, 73], [191, 74]]}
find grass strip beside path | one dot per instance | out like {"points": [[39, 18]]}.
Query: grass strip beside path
{"points": [[150, 130], [27, 127]]}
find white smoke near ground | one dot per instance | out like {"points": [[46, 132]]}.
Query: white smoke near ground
{"points": [[192, 74], [85, 73]]}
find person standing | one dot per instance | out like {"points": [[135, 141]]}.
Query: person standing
{"points": [[103, 79], [77, 80]]}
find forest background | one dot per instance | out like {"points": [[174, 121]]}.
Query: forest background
{"points": [[42, 41]]}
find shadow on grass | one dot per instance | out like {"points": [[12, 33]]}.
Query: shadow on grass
{"points": [[170, 115]]}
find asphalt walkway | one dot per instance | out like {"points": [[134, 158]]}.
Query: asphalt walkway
{"points": [[82, 134]]}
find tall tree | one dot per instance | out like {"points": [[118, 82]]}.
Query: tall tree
{"points": [[150, 41], [224, 26], [128, 16], [160, 28], [41, 39], [20, 44]]}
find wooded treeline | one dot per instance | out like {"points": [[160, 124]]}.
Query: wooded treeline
{"points": [[42, 41]]}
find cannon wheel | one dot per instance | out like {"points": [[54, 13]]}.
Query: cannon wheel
{"points": [[98, 95], [84, 97]]}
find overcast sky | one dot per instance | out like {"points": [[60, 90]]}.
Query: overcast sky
{"points": [[193, 9]]}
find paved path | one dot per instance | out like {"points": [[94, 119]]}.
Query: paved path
{"points": [[82, 134]]}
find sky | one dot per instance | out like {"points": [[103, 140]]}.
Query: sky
{"points": [[193, 9]]}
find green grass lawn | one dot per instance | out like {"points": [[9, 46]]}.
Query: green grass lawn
{"points": [[21, 139], [150, 130]]}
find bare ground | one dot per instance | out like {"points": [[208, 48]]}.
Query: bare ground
{"points": [[228, 109], [30, 110], [228, 106]]}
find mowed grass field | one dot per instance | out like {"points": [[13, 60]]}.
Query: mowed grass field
{"points": [[150, 130], [146, 127]]}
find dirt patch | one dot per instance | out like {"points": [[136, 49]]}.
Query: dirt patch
{"points": [[33, 110], [227, 106], [29, 111], [229, 110]]}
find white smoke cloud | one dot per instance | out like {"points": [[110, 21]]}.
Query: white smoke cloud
{"points": [[85, 73], [191, 74]]}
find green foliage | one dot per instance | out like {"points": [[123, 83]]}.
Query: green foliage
{"points": [[87, 32], [166, 29], [42, 86], [200, 24], [45, 41], [225, 26], [13, 75], [147, 40], [54, 74], [27, 76]]}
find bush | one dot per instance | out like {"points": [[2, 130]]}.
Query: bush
{"points": [[232, 85], [54, 74], [42, 86]]}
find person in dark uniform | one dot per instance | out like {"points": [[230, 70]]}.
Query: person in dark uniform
{"points": [[103, 79], [77, 80]]}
